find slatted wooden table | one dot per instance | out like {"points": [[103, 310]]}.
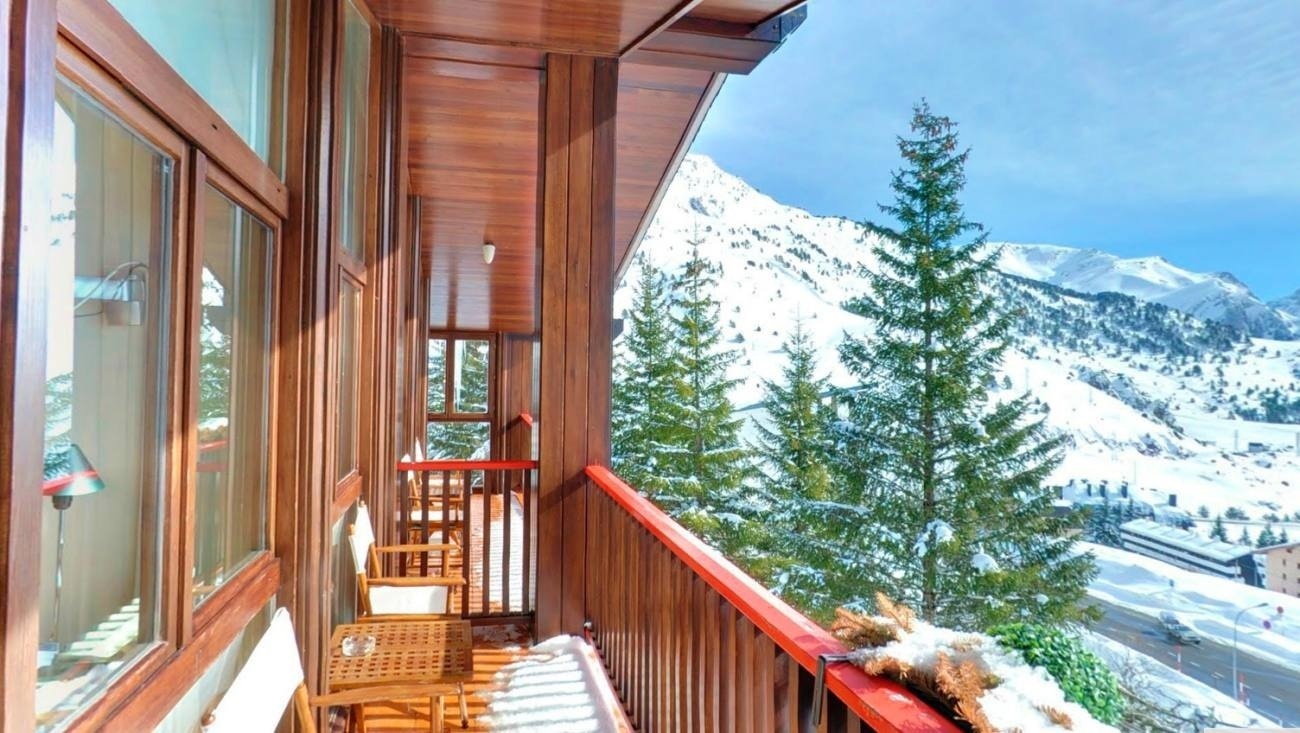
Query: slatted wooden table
{"points": [[434, 657]]}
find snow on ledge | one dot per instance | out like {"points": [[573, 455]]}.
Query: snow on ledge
{"points": [[558, 686]]}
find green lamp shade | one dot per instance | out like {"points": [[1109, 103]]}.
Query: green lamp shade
{"points": [[72, 475]]}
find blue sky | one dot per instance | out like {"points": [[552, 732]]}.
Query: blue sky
{"points": [[1136, 127]]}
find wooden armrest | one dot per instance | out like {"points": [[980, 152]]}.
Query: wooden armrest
{"points": [[431, 547], [416, 581], [369, 694]]}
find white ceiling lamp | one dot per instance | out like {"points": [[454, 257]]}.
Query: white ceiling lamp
{"points": [[489, 252]]}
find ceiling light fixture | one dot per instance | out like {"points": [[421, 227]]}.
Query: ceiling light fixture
{"points": [[489, 252]]}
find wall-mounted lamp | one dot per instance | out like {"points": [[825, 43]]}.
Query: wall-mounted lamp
{"points": [[489, 252], [122, 293]]}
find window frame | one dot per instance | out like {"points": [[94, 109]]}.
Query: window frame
{"points": [[353, 267], [96, 50], [206, 172], [167, 507]]}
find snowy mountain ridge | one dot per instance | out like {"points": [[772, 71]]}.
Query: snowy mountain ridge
{"points": [[1212, 296], [1147, 393]]}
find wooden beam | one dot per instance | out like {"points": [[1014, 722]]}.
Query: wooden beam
{"points": [[676, 14], [27, 108], [577, 307], [690, 45]]}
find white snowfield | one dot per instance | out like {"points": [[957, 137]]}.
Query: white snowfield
{"points": [[1203, 602], [778, 264]]}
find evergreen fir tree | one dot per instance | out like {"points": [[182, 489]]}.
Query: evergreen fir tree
{"points": [[1283, 538], [1218, 531], [704, 463], [646, 370], [1266, 537], [794, 479], [1245, 538], [945, 506]]}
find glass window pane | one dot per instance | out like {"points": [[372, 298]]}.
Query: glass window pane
{"points": [[234, 347], [226, 50], [105, 403], [355, 92], [347, 371], [471, 383], [458, 440], [437, 367]]}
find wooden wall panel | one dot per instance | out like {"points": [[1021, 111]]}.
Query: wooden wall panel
{"points": [[577, 302], [749, 12]]}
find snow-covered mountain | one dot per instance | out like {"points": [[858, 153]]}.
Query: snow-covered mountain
{"points": [[1149, 392], [1212, 296], [1290, 305]]}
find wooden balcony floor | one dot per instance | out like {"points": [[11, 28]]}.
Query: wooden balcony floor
{"points": [[494, 648]]}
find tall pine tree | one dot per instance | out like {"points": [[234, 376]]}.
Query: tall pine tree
{"points": [[705, 464], [952, 515], [794, 479], [646, 370]]}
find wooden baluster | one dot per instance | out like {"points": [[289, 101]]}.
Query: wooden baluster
{"points": [[744, 695], [445, 522], [765, 683], [466, 542], [526, 595], [507, 519], [486, 521], [712, 661], [403, 515], [424, 524]]}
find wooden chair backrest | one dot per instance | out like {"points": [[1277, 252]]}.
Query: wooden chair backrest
{"points": [[265, 685]]}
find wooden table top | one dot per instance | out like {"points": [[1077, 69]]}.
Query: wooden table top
{"points": [[406, 653]]}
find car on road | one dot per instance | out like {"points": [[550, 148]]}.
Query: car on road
{"points": [[1177, 631]]}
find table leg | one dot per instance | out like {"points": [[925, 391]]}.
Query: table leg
{"points": [[464, 706], [436, 714]]}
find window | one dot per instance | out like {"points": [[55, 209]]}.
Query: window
{"points": [[459, 421], [355, 93], [106, 402], [346, 372], [228, 51], [233, 342], [158, 394]]}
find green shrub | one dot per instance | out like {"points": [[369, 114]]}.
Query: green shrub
{"points": [[1083, 677]]}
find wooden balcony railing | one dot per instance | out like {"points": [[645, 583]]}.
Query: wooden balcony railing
{"points": [[487, 507], [693, 643]]}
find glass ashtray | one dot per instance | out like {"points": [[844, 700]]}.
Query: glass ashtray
{"points": [[358, 645]]}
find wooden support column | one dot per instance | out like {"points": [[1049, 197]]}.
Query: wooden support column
{"points": [[577, 286], [27, 111]]}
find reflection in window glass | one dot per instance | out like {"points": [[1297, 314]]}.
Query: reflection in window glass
{"points": [[226, 51], [104, 403], [437, 368], [458, 440], [347, 371], [471, 378], [234, 344], [355, 92]]}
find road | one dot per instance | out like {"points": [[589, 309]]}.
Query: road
{"points": [[1272, 688]]}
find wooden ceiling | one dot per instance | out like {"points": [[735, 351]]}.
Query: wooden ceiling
{"points": [[473, 156], [473, 81]]}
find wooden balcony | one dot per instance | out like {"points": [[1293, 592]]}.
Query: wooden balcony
{"points": [[687, 641]]}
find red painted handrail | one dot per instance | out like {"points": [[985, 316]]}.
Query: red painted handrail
{"points": [[882, 704], [454, 464]]}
